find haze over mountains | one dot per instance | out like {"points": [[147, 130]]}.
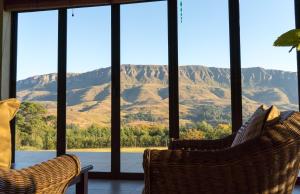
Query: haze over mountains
{"points": [[144, 93]]}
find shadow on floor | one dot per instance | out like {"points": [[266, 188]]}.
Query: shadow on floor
{"points": [[112, 187]]}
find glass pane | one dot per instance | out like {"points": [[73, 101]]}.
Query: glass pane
{"points": [[144, 81], [204, 71], [269, 73], [89, 86], [36, 87]]}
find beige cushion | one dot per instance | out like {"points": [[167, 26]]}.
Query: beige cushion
{"points": [[273, 116], [255, 125], [8, 109], [242, 131]]}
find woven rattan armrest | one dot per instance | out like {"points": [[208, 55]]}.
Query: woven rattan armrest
{"points": [[226, 142], [52, 176]]}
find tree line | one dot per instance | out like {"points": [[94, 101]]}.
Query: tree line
{"points": [[36, 130]]}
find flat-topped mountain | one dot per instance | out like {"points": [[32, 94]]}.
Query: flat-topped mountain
{"points": [[144, 93]]}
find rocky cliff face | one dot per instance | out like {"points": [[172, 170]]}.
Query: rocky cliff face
{"points": [[252, 78], [147, 85]]}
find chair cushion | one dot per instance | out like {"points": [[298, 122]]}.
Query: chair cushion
{"points": [[255, 125], [8, 109]]}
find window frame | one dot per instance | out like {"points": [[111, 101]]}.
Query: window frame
{"points": [[172, 7]]}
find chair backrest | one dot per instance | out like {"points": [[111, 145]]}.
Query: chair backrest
{"points": [[287, 127], [285, 162]]}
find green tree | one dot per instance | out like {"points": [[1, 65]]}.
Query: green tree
{"points": [[35, 128]]}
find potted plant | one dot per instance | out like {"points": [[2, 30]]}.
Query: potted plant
{"points": [[290, 38]]}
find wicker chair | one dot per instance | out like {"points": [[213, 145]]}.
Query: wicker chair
{"points": [[268, 164], [51, 177]]}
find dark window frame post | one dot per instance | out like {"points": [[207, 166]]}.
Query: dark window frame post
{"points": [[13, 76], [173, 69], [235, 65], [115, 89], [297, 24], [61, 82]]}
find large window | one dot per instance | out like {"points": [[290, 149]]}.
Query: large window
{"points": [[269, 74], [89, 86], [36, 87], [204, 70], [144, 82], [148, 73]]}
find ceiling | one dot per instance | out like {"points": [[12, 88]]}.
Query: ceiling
{"points": [[33, 5]]}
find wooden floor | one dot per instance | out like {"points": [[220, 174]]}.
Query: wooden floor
{"points": [[297, 190], [112, 187], [122, 187]]}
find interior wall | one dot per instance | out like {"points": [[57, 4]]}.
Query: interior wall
{"points": [[5, 42]]}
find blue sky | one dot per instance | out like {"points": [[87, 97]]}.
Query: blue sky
{"points": [[203, 36]]}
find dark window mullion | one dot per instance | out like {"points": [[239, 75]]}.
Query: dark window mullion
{"points": [[13, 76], [115, 90], [297, 22], [173, 69], [297, 19], [61, 82], [235, 65]]}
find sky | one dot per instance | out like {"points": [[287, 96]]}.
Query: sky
{"points": [[203, 36]]}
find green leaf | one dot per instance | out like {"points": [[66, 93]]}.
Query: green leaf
{"points": [[290, 38]]}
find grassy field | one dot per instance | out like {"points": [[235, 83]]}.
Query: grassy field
{"points": [[130, 150], [126, 149]]}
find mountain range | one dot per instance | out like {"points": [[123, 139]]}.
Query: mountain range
{"points": [[204, 93]]}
